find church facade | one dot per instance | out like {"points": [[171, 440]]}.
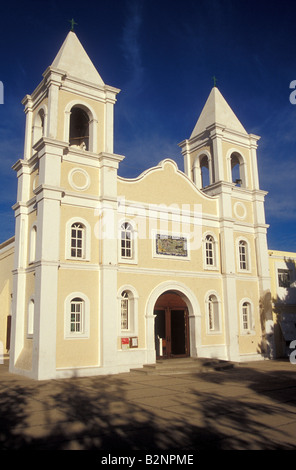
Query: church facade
{"points": [[111, 273]]}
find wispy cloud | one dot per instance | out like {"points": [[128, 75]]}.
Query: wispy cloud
{"points": [[131, 45]]}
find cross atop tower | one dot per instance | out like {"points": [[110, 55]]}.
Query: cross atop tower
{"points": [[72, 24]]}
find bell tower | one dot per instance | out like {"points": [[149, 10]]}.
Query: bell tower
{"points": [[219, 148], [68, 171], [220, 157]]}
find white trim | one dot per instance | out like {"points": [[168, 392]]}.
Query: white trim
{"points": [[215, 265], [85, 316], [85, 186], [248, 254], [134, 258], [133, 312], [197, 174], [93, 120], [193, 311], [251, 329], [87, 239], [37, 132], [242, 166], [236, 207], [30, 317], [207, 296], [33, 243]]}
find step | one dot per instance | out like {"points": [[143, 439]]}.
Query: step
{"points": [[184, 366]]}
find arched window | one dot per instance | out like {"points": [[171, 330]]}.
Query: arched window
{"points": [[126, 241], [33, 241], [210, 254], [128, 310], [77, 315], [247, 325], [237, 164], [31, 309], [210, 251], [243, 255], [79, 128], [39, 126], [124, 309], [77, 240], [213, 314], [204, 171]]}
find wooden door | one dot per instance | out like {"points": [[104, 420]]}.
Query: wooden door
{"points": [[171, 332]]}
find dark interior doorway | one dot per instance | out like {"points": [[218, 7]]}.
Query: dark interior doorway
{"points": [[171, 326]]}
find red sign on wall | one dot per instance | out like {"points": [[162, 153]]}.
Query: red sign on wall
{"points": [[124, 343]]}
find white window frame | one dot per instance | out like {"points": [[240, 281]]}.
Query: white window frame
{"points": [[247, 254], [250, 329], [31, 318], [242, 166], [33, 243], [213, 266], [85, 318], [216, 315], [133, 259], [132, 321], [86, 239]]}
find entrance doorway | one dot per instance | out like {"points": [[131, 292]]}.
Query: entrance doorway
{"points": [[171, 326]]}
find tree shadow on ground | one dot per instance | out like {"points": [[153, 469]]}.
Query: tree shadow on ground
{"points": [[97, 414]]}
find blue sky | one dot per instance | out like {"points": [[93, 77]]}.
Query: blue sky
{"points": [[162, 55]]}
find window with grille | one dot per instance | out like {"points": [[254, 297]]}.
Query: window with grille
{"points": [[126, 240], [77, 240], [284, 278], [210, 255], [76, 320], [246, 316], [124, 310], [243, 255], [213, 314]]}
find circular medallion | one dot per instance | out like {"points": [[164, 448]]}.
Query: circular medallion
{"points": [[79, 179], [240, 210]]}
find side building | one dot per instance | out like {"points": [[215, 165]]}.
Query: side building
{"points": [[283, 298]]}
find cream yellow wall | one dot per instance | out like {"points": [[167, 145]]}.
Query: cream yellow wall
{"points": [[251, 250], [145, 284], [68, 211], [248, 290], [6, 267], [85, 351], [79, 179], [166, 185], [242, 210]]}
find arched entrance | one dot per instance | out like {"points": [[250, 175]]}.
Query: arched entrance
{"points": [[171, 326]]}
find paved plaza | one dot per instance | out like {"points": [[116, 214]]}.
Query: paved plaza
{"points": [[249, 407]]}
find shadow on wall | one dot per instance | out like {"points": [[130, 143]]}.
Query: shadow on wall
{"points": [[284, 308], [278, 314], [266, 347]]}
